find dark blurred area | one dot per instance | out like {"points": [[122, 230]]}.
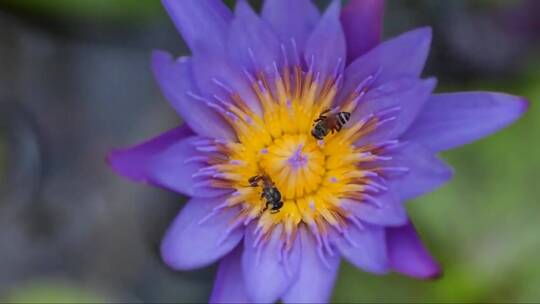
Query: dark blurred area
{"points": [[75, 82]]}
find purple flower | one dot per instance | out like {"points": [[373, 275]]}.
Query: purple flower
{"points": [[249, 95]]}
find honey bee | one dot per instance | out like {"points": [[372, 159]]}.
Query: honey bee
{"points": [[327, 122], [270, 192]]}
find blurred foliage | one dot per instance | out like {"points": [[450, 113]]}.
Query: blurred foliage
{"points": [[51, 291], [114, 10], [111, 10]]}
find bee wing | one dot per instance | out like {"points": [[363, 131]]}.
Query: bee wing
{"points": [[326, 111]]}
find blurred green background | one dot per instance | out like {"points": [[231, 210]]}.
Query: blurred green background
{"points": [[75, 82]]}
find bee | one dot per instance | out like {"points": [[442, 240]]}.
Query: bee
{"points": [[270, 192], [327, 122]]}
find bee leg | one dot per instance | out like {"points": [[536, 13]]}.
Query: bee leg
{"points": [[253, 181], [274, 211], [325, 111]]}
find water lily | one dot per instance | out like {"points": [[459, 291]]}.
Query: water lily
{"points": [[249, 95]]}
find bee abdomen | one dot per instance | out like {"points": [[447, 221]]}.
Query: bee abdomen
{"points": [[343, 117]]}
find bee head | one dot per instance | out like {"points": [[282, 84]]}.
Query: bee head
{"points": [[318, 132], [277, 205]]}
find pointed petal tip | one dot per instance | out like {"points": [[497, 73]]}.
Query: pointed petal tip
{"points": [[200, 22], [425, 31], [243, 7], [525, 104], [436, 275], [423, 35], [118, 161], [110, 159], [517, 110], [449, 173], [409, 256], [332, 11], [334, 7], [430, 83]]}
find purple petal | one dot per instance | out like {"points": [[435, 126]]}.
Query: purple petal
{"points": [[291, 20], [426, 172], [316, 280], [388, 209], [364, 247], [362, 22], [230, 286], [170, 170], [455, 119], [407, 255], [326, 45], [201, 22], [268, 272], [176, 80], [161, 162], [132, 162], [216, 76], [194, 241], [400, 57], [251, 41], [404, 99]]}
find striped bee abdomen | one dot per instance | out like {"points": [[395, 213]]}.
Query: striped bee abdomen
{"points": [[343, 117]]}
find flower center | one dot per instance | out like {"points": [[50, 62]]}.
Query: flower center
{"points": [[296, 164], [275, 151]]}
